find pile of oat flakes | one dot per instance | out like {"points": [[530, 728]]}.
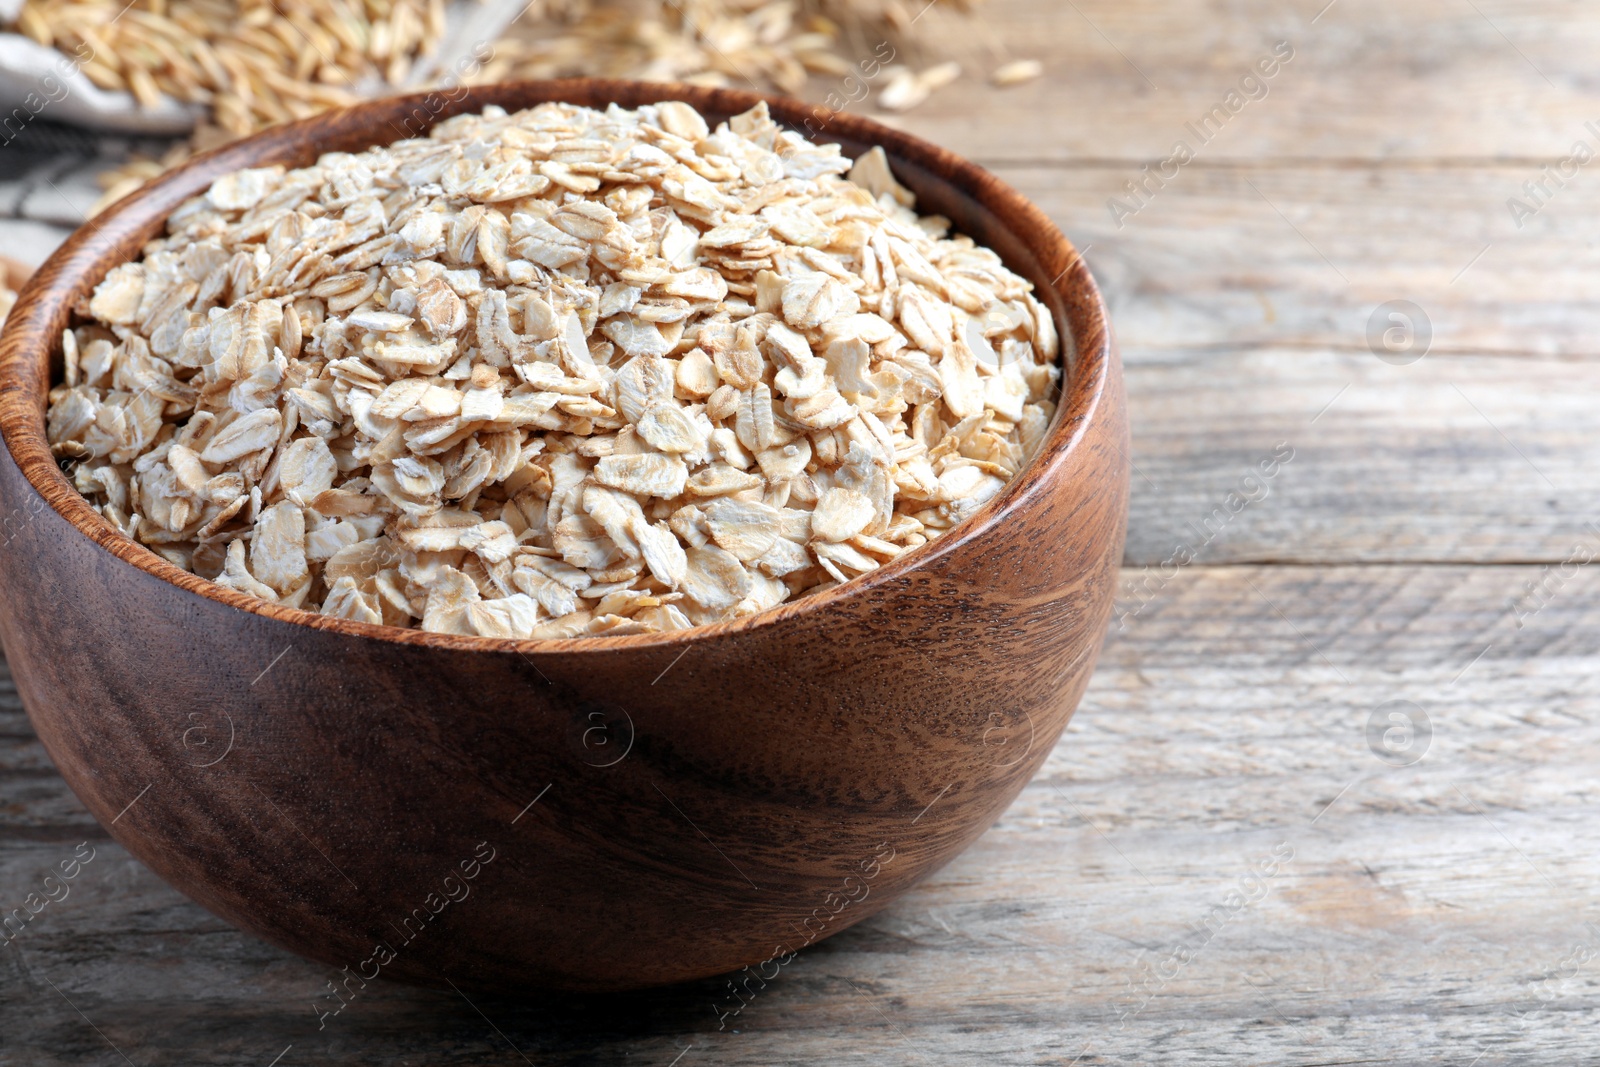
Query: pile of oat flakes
{"points": [[555, 373]]}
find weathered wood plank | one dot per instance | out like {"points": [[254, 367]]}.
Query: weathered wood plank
{"points": [[1455, 458], [1417, 918], [1296, 256], [1423, 80]]}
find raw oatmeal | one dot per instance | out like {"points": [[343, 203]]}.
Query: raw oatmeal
{"points": [[556, 373]]}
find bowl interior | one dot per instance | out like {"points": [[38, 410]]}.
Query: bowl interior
{"points": [[978, 205]]}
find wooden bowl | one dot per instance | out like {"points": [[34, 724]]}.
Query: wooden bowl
{"points": [[587, 814]]}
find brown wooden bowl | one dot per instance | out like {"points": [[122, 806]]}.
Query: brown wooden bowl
{"points": [[588, 814]]}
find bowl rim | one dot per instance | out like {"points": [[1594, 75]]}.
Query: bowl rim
{"points": [[28, 343]]}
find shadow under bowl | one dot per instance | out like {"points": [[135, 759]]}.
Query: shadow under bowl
{"points": [[593, 814]]}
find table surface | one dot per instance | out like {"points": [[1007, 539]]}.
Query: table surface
{"points": [[1235, 854]]}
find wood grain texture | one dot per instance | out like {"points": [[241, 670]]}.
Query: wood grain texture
{"points": [[1297, 256], [1484, 458], [1430, 912], [1427, 80], [334, 787]]}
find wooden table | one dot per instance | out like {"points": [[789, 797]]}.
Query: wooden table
{"points": [[1235, 855]]}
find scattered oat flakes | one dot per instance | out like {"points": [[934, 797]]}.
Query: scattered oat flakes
{"points": [[903, 91], [937, 77], [554, 373], [1017, 72], [907, 88]]}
